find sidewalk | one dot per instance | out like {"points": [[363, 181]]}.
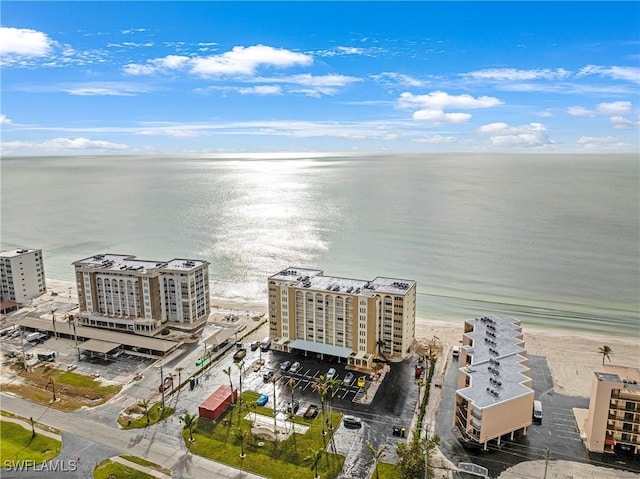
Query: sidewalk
{"points": [[133, 465], [36, 426]]}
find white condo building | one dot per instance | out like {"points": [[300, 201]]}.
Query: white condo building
{"points": [[124, 293], [348, 318], [22, 275], [494, 396]]}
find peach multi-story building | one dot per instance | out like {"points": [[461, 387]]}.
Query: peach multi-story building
{"points": [[613, 423], [494, 397], [124, 293], [348, 318]]}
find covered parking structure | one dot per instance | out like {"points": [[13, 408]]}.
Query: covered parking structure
{"points": [[220, 338], [100, 347], [321, 349], [131, 343]]}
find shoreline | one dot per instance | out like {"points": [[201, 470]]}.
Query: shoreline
{"points": [[572, 356]]}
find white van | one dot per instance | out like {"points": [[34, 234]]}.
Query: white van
{"points": [[537, 412], [266, 344]]}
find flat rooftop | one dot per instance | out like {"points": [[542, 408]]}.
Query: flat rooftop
{"points": [[493, 337], [316, 280], [16, 252], [496, 380], [626, 377], [162, 346], [122, 263]]}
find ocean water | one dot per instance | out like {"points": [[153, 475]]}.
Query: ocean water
{"points": [[550, 239]]}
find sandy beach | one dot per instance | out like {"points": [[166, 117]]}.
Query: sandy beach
{"points": [[572, 358]]}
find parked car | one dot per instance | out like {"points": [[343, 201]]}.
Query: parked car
{"points": [[285, 366], [294, 408], [351, 421], [331, 374], [255, 345], [348, 379], [294, 367], [266, 377], [455, 351], [311, 412], [362, 380], [240, 354], [262, 400]]}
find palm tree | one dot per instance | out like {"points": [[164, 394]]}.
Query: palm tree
{"points": [[321, 388], [240, 366], [333, 385], [274, 380], [189, 421], [179, 370], [377, 456], [380, 343], [144, 404], [314, 456], [228, 373], [606, 352]]}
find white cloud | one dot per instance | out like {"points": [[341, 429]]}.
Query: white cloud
{"points": [[580, 111], [397, 79], [506, 136], [431, 106], [615, 72], [621, 123], [61, 145], [545, 114], [515, 74], [435, 139], [245, 60], [261, 90], [442, 100], [238, 61], [24, 42], [614, 108], [438, 116], [81, 144], [4, 120], [602, 143], [90, 88]]}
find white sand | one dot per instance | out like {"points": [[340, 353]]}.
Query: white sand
{"points": [[564, 470]]}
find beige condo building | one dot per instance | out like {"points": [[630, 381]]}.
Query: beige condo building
{"points": [[613, 422], [122, 292], [348, 318], [494, 395]]}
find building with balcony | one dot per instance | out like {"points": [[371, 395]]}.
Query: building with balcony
{"points": [[351, 319], [22, 275], [613, 422], [124, 293], [494, 395]]}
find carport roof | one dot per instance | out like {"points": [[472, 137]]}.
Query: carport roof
{"points": [[321, 348], [98, 346], [220, 336]]}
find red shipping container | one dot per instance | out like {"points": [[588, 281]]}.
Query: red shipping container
{"points": [[217, 403]]}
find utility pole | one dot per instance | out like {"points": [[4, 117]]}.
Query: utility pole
{"points": [[162, 387], [72, 320], [546, 462], [53, 319], [53, 388]]}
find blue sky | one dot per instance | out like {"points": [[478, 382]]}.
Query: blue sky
{"points": [[224, 77]]}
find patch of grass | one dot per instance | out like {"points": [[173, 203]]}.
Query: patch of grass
{"points": [[389, 471], [155, 416], [18, 445], [144, 462], [27, 420], [220, 441], [108, 468], [73, 390]]}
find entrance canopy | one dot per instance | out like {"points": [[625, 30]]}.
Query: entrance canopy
{"points": [[328, 349]]}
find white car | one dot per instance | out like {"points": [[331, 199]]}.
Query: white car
{"points": [[294, 367], [331, 374], [455, 351]]}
